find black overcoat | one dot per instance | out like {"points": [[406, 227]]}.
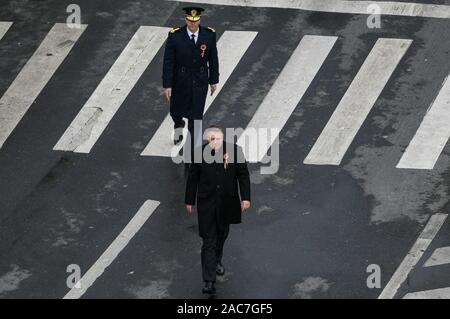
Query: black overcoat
{"points": [[187, 72], [218, 190]]}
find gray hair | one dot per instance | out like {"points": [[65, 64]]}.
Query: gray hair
{"points": [[214, 128]]}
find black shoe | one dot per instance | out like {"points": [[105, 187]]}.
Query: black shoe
{"points": [[220, 269], [209, 288]]}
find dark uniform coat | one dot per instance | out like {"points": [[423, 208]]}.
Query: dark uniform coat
{"points": [[188, 73], [217, 189]]}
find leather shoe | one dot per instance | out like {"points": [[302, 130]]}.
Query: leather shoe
{"points": [[220, 269], [209, 288]]}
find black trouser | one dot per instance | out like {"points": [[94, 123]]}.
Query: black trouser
{"points": [[212, 248], [178, 124]]}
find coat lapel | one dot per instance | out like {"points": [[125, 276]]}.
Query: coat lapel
{"points": [[200, 37], [186, 35]]}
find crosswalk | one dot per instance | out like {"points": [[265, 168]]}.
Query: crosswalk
{"points": [[273, 113]]}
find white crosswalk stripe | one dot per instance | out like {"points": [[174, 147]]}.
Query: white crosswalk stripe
{"points": [[4, 26], [34, 76], [441, 293], [98, 111], [430, 139], [440, 256], [343, 6], [357, 102], [231, 47], [285, 94]]}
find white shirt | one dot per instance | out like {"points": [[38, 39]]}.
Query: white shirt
{"points": [[190, 34]]}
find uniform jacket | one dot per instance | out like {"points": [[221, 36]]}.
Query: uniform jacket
{"points": [[218, 190], [187, 72]]}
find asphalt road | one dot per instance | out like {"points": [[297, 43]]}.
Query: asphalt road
{"points": [[312, 230]]}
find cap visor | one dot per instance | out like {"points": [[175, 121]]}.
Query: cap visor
{"points": [[193, 19]]}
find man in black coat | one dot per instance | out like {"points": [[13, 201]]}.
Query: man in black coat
{"points": [[190, 64], [216, 182]]}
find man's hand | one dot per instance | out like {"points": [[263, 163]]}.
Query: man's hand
{"points": [[213, 88], [168, 93], [245, 205], [190, 208]]}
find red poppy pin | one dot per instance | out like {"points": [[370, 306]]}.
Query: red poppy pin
{"points": [[203, 48]]}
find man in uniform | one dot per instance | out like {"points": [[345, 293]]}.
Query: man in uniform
{"points": [[190, 64], [216, 183]]}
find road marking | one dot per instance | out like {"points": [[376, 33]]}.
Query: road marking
{"points": [[231, 47], [442, 293], [34, 76], [342, 6], [357, 102], [440, 256], [109, 95], [427, 144], [111, 253], [285, 94], [4, 26], [420, 246]]}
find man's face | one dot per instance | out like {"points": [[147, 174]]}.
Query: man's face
{"points": [[192, 26], [215, 139]]}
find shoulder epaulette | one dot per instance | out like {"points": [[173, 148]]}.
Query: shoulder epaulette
{"points": [[174, 30], [211, 29]]}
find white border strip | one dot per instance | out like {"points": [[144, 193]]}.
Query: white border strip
{"points": [[341, 6], [113, 250]]}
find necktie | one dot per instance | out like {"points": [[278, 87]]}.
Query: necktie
{"points": [[193, 38]]}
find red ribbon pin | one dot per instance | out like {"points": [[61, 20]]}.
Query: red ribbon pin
{"points": [[203, 48]]}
